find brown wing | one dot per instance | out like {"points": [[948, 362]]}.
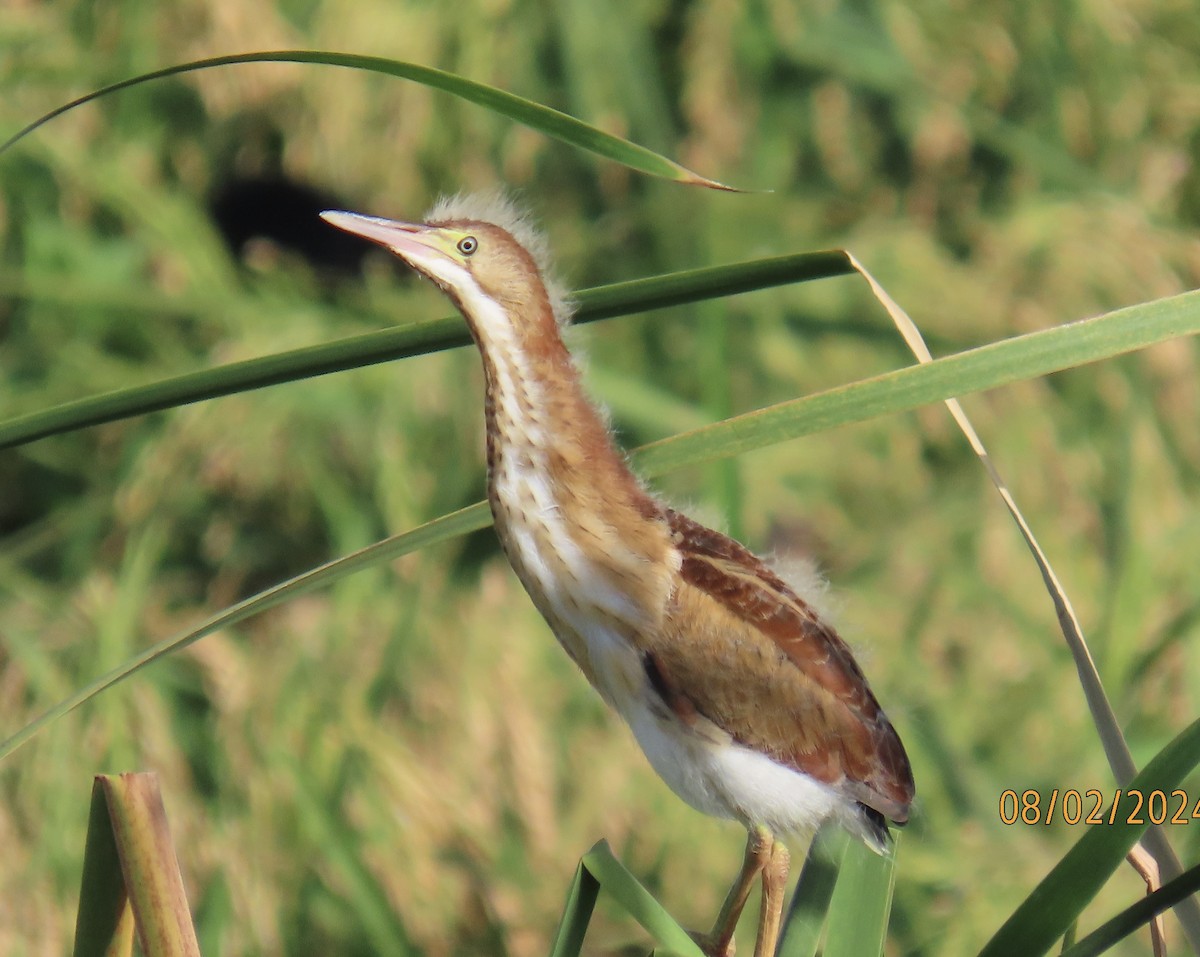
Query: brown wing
{"points": [[812, 707]]}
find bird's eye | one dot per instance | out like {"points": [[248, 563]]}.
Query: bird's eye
{"points": [[468, 245]]}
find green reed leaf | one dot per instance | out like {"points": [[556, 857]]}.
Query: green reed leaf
{"points": [[552, 122]]}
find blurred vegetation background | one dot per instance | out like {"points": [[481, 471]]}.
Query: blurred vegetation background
{"points": [[407, 762]]}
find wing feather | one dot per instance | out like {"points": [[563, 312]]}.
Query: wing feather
{"points": [[814, 710]]}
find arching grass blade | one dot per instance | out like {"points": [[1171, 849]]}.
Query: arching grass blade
{"points": [[456, 523], [544, 119]]}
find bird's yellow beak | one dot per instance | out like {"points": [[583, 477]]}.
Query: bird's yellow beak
{"points": [[415, 243]]}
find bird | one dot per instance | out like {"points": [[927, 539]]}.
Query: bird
{"points": [[744, 699]]}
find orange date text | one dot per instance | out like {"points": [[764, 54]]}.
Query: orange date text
{"points": [[1070, 806]]}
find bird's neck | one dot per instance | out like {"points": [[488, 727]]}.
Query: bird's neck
{"points": [[540, 422], [562, 497]]}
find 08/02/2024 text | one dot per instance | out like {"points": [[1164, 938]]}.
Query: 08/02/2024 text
{"points": [[1070, 806]]}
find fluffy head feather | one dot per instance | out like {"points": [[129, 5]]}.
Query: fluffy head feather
{"points": [[498, 208]]}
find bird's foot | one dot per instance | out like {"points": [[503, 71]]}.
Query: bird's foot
{"points": [[719, 941], [774, 883]]}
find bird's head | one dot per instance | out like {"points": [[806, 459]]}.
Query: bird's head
{"points": [[479, 250]]}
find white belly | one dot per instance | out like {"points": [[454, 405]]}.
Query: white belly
{"points": [[724, 779]]}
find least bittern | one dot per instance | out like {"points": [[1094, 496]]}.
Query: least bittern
{"points": [[744, 699]]}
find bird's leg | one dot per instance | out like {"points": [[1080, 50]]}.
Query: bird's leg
{"points": [[718, 942], [774, 878]]}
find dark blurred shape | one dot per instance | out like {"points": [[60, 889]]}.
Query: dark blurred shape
{"points": [[284, 212]]}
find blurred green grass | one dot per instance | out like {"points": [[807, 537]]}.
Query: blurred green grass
{"points": [[408, 757]]}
